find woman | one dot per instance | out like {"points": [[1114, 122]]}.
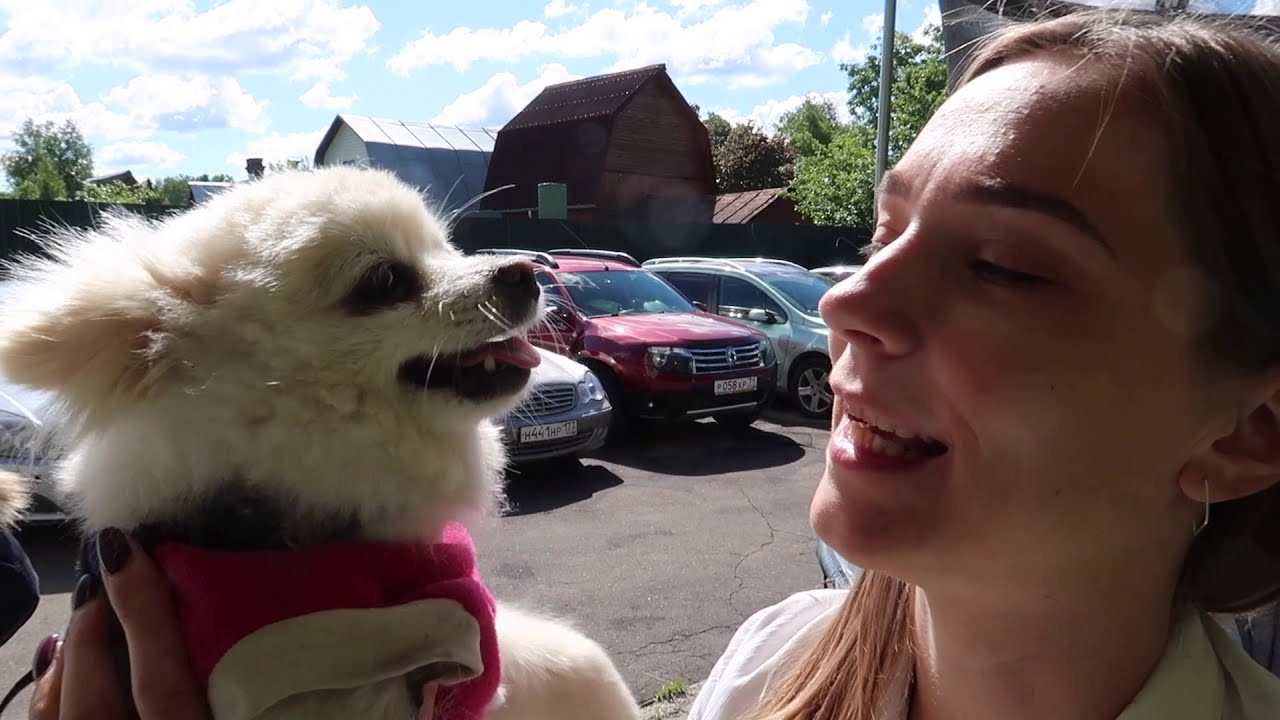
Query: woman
{"points": [[1057, 426]]}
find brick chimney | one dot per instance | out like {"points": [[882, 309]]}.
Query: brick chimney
{"points": [[254, 167]]}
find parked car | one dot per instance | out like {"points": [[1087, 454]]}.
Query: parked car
{"points": [[657, 356], [778, 297], [836, 272], [565, 413], [22, 451]]}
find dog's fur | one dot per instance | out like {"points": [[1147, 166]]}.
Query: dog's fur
{"points": [[224, 380], [15, 498]]}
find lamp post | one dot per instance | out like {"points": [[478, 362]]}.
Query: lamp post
{"points": [[886, 85]]}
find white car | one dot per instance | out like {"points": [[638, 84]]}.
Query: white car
{"points": [[565, 413], [22, 436]]}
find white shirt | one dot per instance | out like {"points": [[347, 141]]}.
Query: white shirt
{"points": [[1204, 675]]}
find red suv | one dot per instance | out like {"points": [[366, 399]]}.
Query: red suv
{"points": [[657, 355]]}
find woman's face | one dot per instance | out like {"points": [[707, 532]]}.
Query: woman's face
{"points": [[1032, 310]]}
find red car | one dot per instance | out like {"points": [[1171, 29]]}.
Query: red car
{"points": [[657, 355]]}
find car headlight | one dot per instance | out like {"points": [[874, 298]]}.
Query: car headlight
{"points": [[590, 389], [766, 353], [669, 359]]}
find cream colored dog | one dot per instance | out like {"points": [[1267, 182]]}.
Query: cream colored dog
{"points": [[302, 360]]}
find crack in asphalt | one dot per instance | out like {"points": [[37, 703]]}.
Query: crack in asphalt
{"points": [[773, 536], [681, 637]]}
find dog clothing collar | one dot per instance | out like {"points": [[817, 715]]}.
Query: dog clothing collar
{"points": [[264, 626]]}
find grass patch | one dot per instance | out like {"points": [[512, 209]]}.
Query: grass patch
{"points": [[672, 690]]}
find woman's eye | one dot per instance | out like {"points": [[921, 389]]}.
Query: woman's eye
{"points": [[1005, 276]]}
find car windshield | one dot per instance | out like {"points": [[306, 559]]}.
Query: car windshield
{"points": [[626, 292], [803, 289]]}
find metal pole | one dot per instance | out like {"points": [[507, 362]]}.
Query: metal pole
{"points": [[886, 85]]}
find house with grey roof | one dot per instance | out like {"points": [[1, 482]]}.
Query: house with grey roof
{"points": [[448, 164]]}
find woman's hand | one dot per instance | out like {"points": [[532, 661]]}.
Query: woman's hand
{"points": [[80, 682]]}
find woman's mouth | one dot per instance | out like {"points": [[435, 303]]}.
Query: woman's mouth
{"points": [[861, 444]]}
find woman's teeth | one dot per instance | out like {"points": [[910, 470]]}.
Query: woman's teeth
{"points": [[889, 442], [490, 364]]}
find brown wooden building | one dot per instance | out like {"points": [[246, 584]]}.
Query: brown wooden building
{"points": [[770, 206], [626, 145]]}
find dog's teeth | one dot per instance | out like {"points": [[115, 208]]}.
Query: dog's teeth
{"points": [[490, 364]]}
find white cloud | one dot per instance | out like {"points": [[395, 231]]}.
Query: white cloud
{"points": [[139, 156], [1266, 7], [303, 39], [689, 7], [42, 99], [735, 44], [825, 18], [873, 24], [766, 115], [276, 147], [499, 99], [184, 104], [320, 96], [845, 52], [558, 8], [933, 16]]}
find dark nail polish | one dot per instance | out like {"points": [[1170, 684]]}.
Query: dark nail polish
{"points": [[44, 656], [86, 590], [113, 550]]}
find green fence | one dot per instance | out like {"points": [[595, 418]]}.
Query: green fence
{"points": [[810, 246]]}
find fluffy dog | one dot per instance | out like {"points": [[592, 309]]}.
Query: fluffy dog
{"points": [[285, 394]]}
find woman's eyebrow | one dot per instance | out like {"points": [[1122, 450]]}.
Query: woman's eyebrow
{"points": [[996, 191]]}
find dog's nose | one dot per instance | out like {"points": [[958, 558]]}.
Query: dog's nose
{"points": [[516, 287]]}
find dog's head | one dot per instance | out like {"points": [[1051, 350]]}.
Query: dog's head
{"points": [[331, 293]]}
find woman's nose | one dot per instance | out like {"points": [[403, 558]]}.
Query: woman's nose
{"points": [[875, 310]]}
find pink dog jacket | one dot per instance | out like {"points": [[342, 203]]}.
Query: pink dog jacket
{"points": [[264, 626]]}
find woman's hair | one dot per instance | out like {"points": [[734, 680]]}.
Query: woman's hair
{"points": [[1215, 90]]}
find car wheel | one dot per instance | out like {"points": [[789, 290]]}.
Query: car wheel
{"points": [[810, 386], [738, 420], [619, 422]]}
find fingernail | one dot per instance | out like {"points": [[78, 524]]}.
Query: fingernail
{"points": [[113, 550], [44, 656], [86, 590]]}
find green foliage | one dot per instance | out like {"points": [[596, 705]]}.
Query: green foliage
{"points": [[176, 191], [43, 151], [746, 158], [835, 170], [144, 193]]}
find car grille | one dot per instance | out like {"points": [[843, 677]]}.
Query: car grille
{"points": [[736, 357], [547, 400]]}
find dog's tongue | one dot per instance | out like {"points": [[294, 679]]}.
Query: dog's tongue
{"points": [[514, 351]]}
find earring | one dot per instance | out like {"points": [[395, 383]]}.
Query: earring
{"points": [[1197, 528]]}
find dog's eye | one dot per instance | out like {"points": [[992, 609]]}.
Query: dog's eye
{"points": [[384, 284]]}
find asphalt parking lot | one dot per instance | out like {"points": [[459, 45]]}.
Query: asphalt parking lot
{"points": [[657, 549]]}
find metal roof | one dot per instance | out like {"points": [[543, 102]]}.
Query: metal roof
{"points": [[201, 190], [591, 97], [446, 162], [740, 207]]}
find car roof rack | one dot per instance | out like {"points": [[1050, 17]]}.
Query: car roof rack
{"points": [[722, 262], [598, 254], [771, 261], [539, 257]]}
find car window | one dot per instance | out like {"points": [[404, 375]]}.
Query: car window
{"points": [[803, 289], [695, 286], [554, 293], [737, 296], [623, 292]]}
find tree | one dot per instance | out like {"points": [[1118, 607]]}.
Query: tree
{"points": [[835, 177], [143, 193], [919, 87], [810, 127], [176, 190], [746, 158], [44, 149]]}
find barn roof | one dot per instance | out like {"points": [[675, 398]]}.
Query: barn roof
{"points": [[447, 162], [202, 190], [562, 135], [741, 207]]}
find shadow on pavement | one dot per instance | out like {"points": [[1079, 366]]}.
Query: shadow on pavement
{"points": [[787, 416], [53, 550], [542, 487], [697, 449]]}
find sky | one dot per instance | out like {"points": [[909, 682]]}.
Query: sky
{"points": [[162, 87]]}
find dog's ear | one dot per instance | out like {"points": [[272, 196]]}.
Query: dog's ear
{"points": [[86, 323]]}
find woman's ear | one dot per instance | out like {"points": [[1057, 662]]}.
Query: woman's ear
{"points": [[1244, 461]]}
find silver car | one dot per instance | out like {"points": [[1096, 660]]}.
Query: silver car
{"points": [[779, 298], [837, 272], [565, 413], [23, 437]]}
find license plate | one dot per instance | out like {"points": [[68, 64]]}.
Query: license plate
{"points": [[543, 433], [735, 385]]}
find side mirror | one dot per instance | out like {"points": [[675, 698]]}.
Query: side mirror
{"points": [[761, 315], [700, 305]]}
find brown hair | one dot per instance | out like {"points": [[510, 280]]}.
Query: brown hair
{"points": [[1218, 87]]}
